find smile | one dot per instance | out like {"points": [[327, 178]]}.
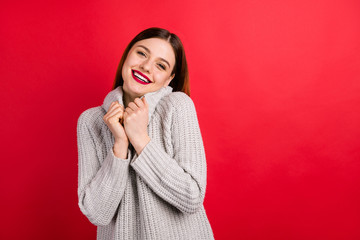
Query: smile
{"points": [[139, 77]]}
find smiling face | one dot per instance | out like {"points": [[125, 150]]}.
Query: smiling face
{"points": [[148, 67]]}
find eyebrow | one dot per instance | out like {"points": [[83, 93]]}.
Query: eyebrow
{"points": [[148, 50]]}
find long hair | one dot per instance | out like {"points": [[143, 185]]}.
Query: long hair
{"points": [[181, 80]]}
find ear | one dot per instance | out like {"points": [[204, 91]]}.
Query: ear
{"points": [[169, 80]]}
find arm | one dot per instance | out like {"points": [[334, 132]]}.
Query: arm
{"points": [[100, 187], [181, 180]]}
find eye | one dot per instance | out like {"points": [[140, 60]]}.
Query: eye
{"points": [[162, 66], [141, 53]]}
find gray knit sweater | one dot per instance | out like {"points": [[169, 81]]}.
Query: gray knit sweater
{"points": [[158, 194]]}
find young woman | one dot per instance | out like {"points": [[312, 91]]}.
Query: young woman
{"points": [[142, 166]]}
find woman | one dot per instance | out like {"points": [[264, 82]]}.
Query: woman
{"points": [[142, 167]]}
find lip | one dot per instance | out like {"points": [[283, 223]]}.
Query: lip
{"points": [[136, 79]]}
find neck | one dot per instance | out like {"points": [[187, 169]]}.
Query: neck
{"points": [[127, 99]]}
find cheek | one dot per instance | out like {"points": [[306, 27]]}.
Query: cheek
{"points": [[124, 69], [131, 60], [128, 64], [162, 77]]}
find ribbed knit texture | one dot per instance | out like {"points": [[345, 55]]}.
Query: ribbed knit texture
{"points": [[158, 194]]}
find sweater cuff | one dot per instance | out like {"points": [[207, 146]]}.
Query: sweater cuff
{"points": [[114, 167], [151, 163]]}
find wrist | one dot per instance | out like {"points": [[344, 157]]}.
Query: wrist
{"points": [[140, 144], [121, 141], [120, 149]]}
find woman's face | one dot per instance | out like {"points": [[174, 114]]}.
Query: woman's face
{"points": [[148, 67]]}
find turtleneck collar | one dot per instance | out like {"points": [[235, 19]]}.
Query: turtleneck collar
{"points": [[152, 98]]}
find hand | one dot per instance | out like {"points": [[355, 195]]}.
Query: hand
{"points": [[136, 118], [113, 119]]}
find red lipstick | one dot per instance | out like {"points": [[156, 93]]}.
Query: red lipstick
{"points": [[140, 78]]}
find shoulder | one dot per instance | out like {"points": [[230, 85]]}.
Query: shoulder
{"points": [[178, 101], [178, 105], [91, 116]]}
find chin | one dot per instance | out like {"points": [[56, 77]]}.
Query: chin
{"points": [[134, 91]]}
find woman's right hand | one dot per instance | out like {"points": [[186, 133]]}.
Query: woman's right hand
{"points": [[113, 119]]}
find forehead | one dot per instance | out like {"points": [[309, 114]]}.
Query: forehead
{"points": [[158, 48]]}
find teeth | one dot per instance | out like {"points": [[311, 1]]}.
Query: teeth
{"points": [[140, 77]]}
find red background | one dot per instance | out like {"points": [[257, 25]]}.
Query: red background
{"points": [[276, 87]]}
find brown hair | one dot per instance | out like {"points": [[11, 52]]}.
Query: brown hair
{"points": [[181, 80]]}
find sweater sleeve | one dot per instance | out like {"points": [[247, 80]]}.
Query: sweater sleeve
{"points": [[100, 186], [180, 180]]}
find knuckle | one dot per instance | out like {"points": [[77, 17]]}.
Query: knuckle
{"points": [[112, 120]]}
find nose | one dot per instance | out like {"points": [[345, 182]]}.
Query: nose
{"points": [[145, 65]]}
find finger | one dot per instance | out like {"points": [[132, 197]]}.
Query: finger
{"points": [[112, 105], [126, 115], [145, 102], [114, 119], [124, 118], [129, 110], [112, 112], [133, 106], [117, 113], [139, 103], [114, 108]]}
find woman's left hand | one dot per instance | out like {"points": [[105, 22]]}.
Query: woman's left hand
{"points": [[136, 118]]}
